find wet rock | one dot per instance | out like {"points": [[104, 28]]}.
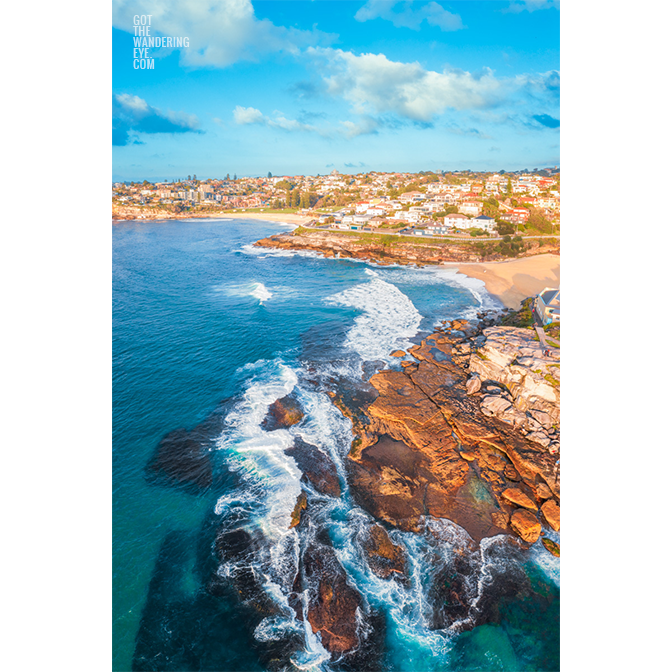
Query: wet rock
{"points": [[317, 467], [332, 601], [398, 353], [384, 557], [551, 547], [468, 455], [301, 504], [551, 513], [525, 525], [519, 498], [282, 413]]}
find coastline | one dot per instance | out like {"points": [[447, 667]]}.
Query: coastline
{"points": [[268, 217], [514, 280]]}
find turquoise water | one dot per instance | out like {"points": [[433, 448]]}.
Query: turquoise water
{"points": [[207, 332]]}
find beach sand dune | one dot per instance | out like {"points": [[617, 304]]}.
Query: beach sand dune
{"points": [[515, 280]]}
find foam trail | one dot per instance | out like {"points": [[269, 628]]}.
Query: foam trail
{"points": [[387, 320], [272, 477]]}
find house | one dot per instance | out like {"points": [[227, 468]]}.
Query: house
{"points": [[470, 207], [547, 305], [484, 222], [457, 220]]}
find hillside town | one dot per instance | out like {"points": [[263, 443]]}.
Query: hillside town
{"points": [[425, 203]]}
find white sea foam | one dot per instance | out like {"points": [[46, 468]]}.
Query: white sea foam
{"points": [[264, 252], [259, 456], [260, 292], [388, 318], [256, 290]]}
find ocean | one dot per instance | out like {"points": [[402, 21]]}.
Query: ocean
{"points": [[208, 331]]}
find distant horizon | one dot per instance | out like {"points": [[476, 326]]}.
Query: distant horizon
{"points": [[400, 172]]}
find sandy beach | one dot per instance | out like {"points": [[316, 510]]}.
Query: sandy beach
{"points": [[515, 280], [268, 217]]}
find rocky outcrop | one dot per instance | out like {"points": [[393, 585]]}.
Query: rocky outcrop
{"points": [[526, 525], [282, 413], [551, 513], [384, 557], [394, 249], [318, 469], [426, 448], [332, 602], [513, 357], [519, 498]]}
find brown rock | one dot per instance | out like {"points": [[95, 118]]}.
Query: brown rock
{"points": [[385, 557], [525, 525], [543, 491], [511, 473], [398, 353], [318, 469], [551, 513], [301, 504], [518, 497], [500, 519], [468, 455], [282, 413], [332, 602], [414, 438]]}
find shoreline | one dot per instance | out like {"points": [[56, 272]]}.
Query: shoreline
{"points": [[289, 218], [512, 281]]}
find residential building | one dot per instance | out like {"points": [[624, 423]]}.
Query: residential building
{"points": [[547, 305]]}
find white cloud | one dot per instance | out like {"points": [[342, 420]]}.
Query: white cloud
{"points": [[250, 115], [375, 85], [532, 5], [407, 17], [247, 115], [372, 83], [220, 32], [348, 129]]}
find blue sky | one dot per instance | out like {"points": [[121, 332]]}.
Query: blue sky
{"points": [[296, 87]]}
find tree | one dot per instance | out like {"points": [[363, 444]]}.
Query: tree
{"points": [[228, 177], [235, 177], [504, 228], [269, 175], [509, 188]]}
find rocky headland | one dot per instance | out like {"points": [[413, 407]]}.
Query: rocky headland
{"points": [[467, 429], [462, 427], [389, 249]]}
